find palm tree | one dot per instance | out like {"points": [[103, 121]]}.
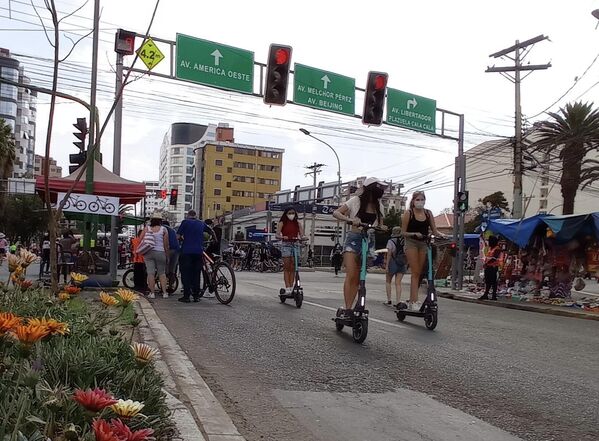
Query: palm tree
{"points": [[574, 131], [590, 173], [7, 160]]}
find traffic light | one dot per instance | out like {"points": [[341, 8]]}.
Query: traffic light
{"points": [[453, 249], [273, 227], [162, 194], [462, 201], [277, 74], [81, 133], [374, 98], [174, 194], [124, 42]]}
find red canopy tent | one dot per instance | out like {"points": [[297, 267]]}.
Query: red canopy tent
{"points": [[106, 183]]}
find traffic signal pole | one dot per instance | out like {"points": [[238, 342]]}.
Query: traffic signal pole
{"points": [[116, 162], [461, 214]]}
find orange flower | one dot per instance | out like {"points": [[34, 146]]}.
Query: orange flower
{"points": [[54, 326], [64, 296], [107, 299], [71, 289], [127, 296], [124, 433], [25, 284], [8, 322], [103, 431], [29, 334], [94, 400]]}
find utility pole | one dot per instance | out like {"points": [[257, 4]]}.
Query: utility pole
{"points": [[315, 169], [517, 58]]}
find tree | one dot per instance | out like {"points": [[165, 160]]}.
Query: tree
{"points": [[393, 218], [24, 217], [7, 160], [496, 199], [574, 131]]}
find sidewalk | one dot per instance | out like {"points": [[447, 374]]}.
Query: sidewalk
{"points": [[575, 310]]}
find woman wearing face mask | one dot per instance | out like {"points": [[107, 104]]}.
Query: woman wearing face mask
{"points": [[365, 208], [289, 231], [416, 224]]}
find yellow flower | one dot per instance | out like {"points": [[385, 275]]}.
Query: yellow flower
{"points": [[8, 322], [127, 409], [64, 296], [78, 278], [29, 334], [27, 258], [143, 352], [127, 296], [54, 326], [107, 299], [13, 263]]}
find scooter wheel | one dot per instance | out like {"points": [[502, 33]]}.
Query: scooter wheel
{"points": [[401, 316], [430, 320], [299, 298], [282, 295], [339, 326], [360, 330], [282, 299]]}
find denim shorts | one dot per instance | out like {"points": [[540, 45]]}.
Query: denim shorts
{"points": [[287, 249], [353, 243]]}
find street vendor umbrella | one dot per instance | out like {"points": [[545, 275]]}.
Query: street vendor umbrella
{"points": [[518, 231], [567, 226]]}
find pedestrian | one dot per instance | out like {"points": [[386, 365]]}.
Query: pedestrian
{"points": [[336, 258], [156, 258], [492, 259], [173, 252], [140, 278], [191, 231], [65, 258], [395, 265], [45, 261], [366, 207], [290, 232], [3, 247], [417, 222]]}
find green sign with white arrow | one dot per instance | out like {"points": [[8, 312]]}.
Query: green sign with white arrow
{"points": [[411, 111], [324, 90], [214, 64]]}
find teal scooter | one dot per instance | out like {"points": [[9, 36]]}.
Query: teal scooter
{"points": [[357, 318]]}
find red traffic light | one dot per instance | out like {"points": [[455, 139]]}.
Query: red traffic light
{"points": [[174, 192], [124, 42], [281, 56], [380, 82], [162, 194]]}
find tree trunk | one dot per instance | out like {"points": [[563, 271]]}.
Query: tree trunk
{"points": [[570, 181]]}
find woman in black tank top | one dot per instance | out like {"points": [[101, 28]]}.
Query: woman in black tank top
{"points": [[417, 223]]}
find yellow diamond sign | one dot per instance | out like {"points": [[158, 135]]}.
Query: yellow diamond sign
{"points": [[150, 54]]}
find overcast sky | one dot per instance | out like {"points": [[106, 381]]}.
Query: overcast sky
{"points": [[437, 49]]}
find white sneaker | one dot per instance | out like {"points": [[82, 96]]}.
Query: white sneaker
{"points": [[164, 295], [415, 306], [151, 296], [208, 295]]}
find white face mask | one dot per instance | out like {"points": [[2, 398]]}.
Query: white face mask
{"points": [[419, 204], [291, 216]]}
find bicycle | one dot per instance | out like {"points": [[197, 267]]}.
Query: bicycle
{"points": [[173, 280], [218, 277], [76, 201], [101, 203]]}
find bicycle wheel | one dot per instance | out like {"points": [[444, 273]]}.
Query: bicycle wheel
{"points": [[173, 283], [93, 207], [109, 208], [66, 205], [128, 279], [223, 278], [80, 205]]}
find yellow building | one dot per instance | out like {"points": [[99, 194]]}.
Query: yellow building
{"points": [[236, 176]]}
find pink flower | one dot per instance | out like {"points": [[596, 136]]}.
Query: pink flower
{"points": [[103, 431], [94, 400], [124, 433]]}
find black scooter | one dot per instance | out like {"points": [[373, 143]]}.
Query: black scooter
{"points": [[297, 294], [429, 308]]}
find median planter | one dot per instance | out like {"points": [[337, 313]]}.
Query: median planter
{"points": [[69, 370]]}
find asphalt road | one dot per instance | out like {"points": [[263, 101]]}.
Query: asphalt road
{"points": [[486, 373]]}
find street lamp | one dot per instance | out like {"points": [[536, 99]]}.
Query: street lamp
{"points": [[337, 194]]}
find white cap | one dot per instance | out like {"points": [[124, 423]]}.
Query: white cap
{"points": [[373, 180]]}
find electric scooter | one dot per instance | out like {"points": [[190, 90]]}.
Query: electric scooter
{"points": [[357, 318], [297, 294], [429, 308]]}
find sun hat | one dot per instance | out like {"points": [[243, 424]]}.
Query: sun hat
{"points": [[373, 180], [156, 215], [396, 232]]}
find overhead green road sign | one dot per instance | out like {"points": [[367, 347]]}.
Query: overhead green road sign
{"points": [[324, 90], [411, 111], [214, 64]]}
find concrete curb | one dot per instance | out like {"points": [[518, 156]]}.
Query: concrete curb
{"points": [[521, 307], [211, 421]]}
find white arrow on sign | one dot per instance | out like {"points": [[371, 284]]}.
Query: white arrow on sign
{"points": [[217, 56], [326, 80], [412, 103]]}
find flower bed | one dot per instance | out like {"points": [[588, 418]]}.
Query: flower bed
{"points": [[68, 370]]}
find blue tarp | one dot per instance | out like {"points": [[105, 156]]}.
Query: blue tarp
{"points": [[564, 227]]}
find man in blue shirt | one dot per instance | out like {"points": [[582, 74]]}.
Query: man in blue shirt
{"points": [[191, 231], [173, 254]]}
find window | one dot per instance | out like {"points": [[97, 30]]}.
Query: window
{"points": [[190, 160], [229, 169], [228, 199], [219, 148], [176, 150], [218, 177], [543, 204], [177, 161], [268, 181], [190, 170], [9, 73], [8, 91], [188, 188], [544, 192], [545, 181], [218, 162], [247, 165], [270, 168], [188, 198], [176, 170], [241, 151], [8, 108], [189, 151], [217, 207], [248, 179], [243, 194], [189, 179], [230, 156], [217, 192], [228, 185], [264, 154]]}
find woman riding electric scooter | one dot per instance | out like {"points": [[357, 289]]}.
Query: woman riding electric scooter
{"points": [[289, 231], [366, 208]]}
